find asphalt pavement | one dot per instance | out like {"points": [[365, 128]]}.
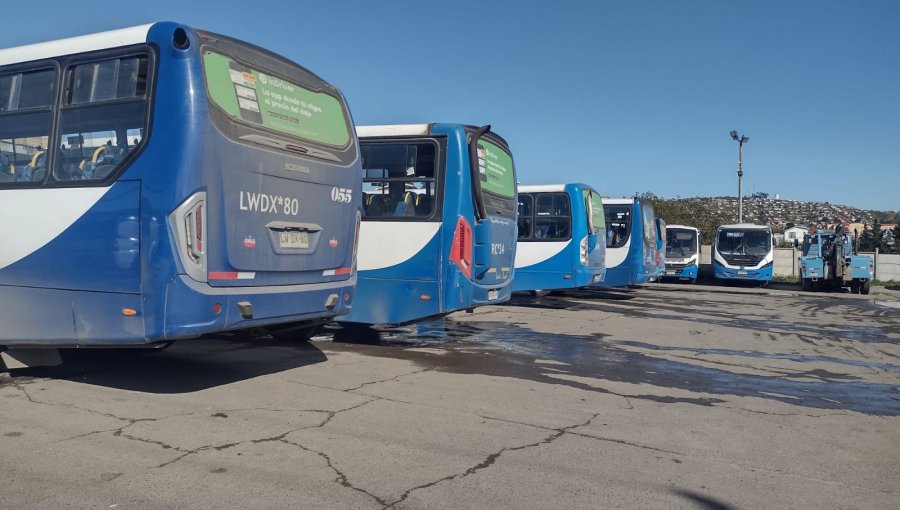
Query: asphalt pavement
{"points": [[666, 396]]}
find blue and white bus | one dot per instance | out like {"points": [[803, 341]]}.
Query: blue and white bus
{"points": [[682, 253], [743, 252], [660, 249], [631, 254], [439, 222], [562, 237], [161, 182]]}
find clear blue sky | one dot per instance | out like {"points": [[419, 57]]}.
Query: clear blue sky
{"points": [[626, 96]]}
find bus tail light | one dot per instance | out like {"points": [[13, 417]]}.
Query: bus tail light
{"points": [[461, 251], [583, 253], [188, 223]]}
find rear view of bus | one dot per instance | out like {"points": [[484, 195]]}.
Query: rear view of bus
{"points": [[682, 253], [162, 182], [743, 252], [631, 239], [439, 222], [562, 237]]}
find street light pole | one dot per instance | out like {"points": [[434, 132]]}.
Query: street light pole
{"points": [[741, 141]]}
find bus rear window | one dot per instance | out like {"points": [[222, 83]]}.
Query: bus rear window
{"points": [[496, 168], [252, 96]]}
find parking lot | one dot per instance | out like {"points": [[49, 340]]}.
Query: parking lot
{"points": [[669, 396]]}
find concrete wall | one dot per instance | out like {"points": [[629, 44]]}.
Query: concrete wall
{"points": [[786, 262], [887, 267]]}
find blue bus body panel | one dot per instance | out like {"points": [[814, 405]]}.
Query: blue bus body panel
{"points": [[122, 254], [688, 272], [393, 295], [564, 270], [724, 273], [98, 252], [639, 265]]}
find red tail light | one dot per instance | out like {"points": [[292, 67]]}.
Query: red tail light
{"points": [[461, 253]]}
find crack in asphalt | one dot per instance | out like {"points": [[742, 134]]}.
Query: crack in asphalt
{"points": [[491, 459], [278, 438], [341, 478], [585, 434]]}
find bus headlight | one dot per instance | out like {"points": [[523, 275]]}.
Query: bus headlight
{"points": [[583, 252]]}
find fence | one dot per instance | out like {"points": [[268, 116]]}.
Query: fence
{"points": [[887, 267]]}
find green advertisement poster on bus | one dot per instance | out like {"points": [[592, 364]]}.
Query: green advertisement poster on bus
{"points": [[496, 168], [259, 98]]}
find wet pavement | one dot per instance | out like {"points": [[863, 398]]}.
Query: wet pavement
{"points": [[670, 396]]}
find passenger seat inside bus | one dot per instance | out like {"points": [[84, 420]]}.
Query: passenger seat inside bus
{"points": [[423, 205], [375, 205], [407, 206]]}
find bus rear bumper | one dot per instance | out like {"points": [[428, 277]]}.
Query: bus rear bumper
{"points": [[194, 309]]}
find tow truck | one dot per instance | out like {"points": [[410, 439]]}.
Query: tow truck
{"points": [[829, 260]]}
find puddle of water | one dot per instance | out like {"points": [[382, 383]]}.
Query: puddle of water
{"points": [[516, 348], [800, 358]]}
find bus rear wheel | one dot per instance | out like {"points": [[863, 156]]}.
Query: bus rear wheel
{"points": [[854, 287], [864, 287], [806, 284]]}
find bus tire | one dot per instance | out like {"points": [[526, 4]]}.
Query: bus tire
{"points": [[854, 286], [805, 284], [864, 287]]}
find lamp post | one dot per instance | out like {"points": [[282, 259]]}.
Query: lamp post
{"points": [[741, 141]]}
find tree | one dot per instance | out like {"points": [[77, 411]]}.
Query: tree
{"points": [[687, 212], [878, 237], [896, 233], [866, 240]]}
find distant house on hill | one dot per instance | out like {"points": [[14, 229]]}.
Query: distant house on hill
{"points": [[794, 234]]}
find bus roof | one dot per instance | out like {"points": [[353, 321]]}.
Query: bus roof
{"points": [[744, 226], [538, 188], [394, 130], [96, 41], [544, 188], [685, 227], [617, 201]]}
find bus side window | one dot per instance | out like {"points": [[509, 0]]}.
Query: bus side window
{"points": [[26, 99], [105, 107]]}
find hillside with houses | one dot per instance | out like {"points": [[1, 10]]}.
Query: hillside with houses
{"points": [[783, 213]]}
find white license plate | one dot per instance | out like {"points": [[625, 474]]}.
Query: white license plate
{"points": [[493, 294], [670, 271], [293, 239], [742, 272]]}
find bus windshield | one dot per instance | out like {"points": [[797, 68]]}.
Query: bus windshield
{"points": [[744, 242], [618, 225], [681, 243]]}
